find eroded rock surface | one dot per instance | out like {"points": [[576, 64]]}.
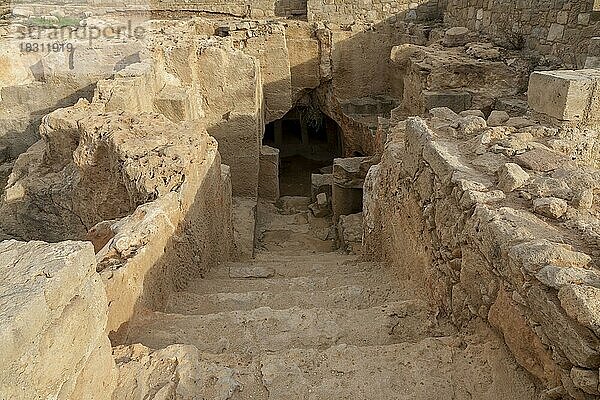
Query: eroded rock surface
{"points": [[507, 257], [53, 311]]}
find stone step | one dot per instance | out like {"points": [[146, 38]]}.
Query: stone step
{"points": [[431, 369], [265, 329], [288, 242], [335, 257], [348, 297], [289, 269], [298, 284]]}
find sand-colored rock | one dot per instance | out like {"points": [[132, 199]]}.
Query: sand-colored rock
{"points": [[50, 295]]}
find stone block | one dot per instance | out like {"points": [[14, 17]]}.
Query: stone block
{"points": [[593, 57], [555, 32], [268, 182], [511, 177], [457, 36], [566, 95], [582, 303], [510, 319], [321, 183], [176, 104], [457, 101], [244, 220], [350, 172], [497, 118]]}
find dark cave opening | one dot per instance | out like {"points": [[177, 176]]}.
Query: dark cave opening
{"points": [[308, 141]]}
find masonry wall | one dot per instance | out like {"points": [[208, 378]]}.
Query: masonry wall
{"points": [[348, 12], [561, 28], [440, 222]]}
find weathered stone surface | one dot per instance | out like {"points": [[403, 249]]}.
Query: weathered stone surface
{"points": [[455, 100], [269, 46], [511, 177], [457, 36], [304, 57], [557, 277], [175, 372], [160, 210], [550, 207], [585, 379], [250, 272], [486, 261], [582, 303], [294, 204], [403, 371], [350, 229], [50, 294], [536, 254], [497, 118], [577, 342], [524, 343], [268, 186], [244, 219], [155, 180], [540, 159], [574, 95]]}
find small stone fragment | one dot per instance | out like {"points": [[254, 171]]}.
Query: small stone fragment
{"points": [[476, 113], [456, 37], [582, 303], [471, 124], [322, 200], [584, 200], [511, 177], [550, 207], [497, 118]]}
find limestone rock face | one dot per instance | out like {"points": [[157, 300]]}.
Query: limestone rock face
{"points": [[90, 167], [13, 72], [175, 372], [53, 311], [270, 48], [148, 192], [350, 228]]}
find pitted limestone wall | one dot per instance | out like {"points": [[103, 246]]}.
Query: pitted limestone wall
{"points": [[53, 312], [4, 7], [437, 216], [90, 168], [558, 28]]}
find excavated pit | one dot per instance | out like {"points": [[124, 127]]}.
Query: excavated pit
{"points": [[301, 200]]}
